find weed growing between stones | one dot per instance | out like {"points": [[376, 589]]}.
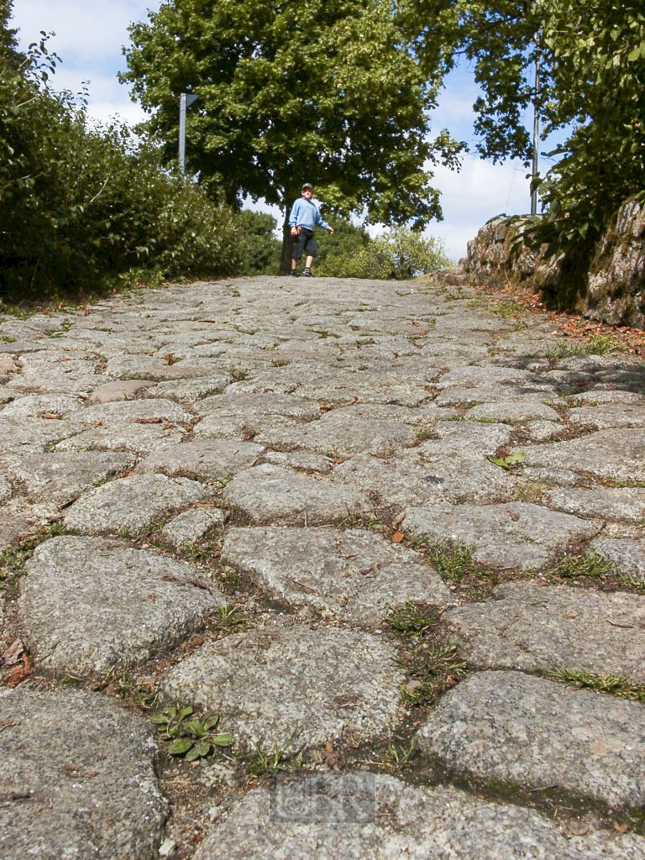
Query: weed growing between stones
{"points": [[277, 759], [14, 557], [508, 461], [632, 581], [617, 685], [191, 738], [508, 309], [430, 660], [592, 564], [230, 619], [354, 520], [596, 344], [123, 685]]}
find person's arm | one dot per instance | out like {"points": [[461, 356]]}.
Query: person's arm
{"points": [[293, 218], [320, 220]]}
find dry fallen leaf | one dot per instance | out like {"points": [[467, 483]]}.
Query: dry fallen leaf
{"points": [[397, 537]]}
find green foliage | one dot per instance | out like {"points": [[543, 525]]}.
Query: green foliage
{"points": [[412, 619], [508, 461], [592, 79], [618, 685], [399, 253], [278, 758], [190, 738], [592, 564], [83, 205], [324, 90], [260, 247]]}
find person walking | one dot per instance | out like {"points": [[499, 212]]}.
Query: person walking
{"points": [[303, 219]]}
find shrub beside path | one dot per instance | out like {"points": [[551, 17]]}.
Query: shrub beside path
{"points": [[390, 535]]}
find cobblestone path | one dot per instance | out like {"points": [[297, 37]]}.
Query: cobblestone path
{"points": [[392, 534]]}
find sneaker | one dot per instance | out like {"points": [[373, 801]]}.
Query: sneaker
{"points": [[293, 273], [307, 273]]}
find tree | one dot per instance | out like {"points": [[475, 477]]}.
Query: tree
{"points": [[81, 205], [592, 91], [326, 91]]}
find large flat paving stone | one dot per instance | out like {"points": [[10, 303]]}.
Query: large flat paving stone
{"points": [[543, 628], [153, 409], [89, 604], [77, 779], [404, 821], [353, 574], [627, 554], [532, 732], [291, 683], [615, 454], [38, 405], [131, 503], [242, 416], [139, 439], [270, 494], [516, 534], [208, 460], [373, 385], [625, 504], [519, 411], [61, 477], [352, 429], [418, 478]]}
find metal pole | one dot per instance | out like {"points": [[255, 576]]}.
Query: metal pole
{"points": [[182, 132], [536, 131]]}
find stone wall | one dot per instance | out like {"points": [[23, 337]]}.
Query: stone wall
{"points": [[615, 291], [498, 256], [616, 284]]}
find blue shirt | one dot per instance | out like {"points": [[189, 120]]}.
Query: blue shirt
{"points": [[304, 213]]}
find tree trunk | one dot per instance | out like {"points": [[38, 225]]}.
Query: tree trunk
{"points": [[287, 245]]}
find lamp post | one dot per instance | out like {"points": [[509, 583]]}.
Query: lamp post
{"points": [[185, 101], [536, 131]]}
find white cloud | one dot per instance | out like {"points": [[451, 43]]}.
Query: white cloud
{"points": [[478, 192], [89, 38]]}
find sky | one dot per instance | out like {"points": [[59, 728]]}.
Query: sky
{"points": [[90, 35]]}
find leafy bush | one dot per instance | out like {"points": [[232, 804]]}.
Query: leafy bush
{"points": [[258, 242], [82, 206], [398, 254]]}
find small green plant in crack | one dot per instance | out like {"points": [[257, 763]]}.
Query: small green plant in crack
{"points": [[617, 685], [13, 558], [508, 309], [401, 756], [278, 758], [412, 619], [7, 338], [59, 332], [354, 520], [591, 564], [509, 461], [433, 666], [123, 685], [633, 581], [230, 619], [190, 737], [237, 374], [430, 659], [454, 563]]}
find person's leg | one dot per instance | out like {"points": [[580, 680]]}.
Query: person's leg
{"points": [[298, 248], [311, 250]]}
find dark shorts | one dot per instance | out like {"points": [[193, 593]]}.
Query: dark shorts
{"points": [[304, 241]]}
